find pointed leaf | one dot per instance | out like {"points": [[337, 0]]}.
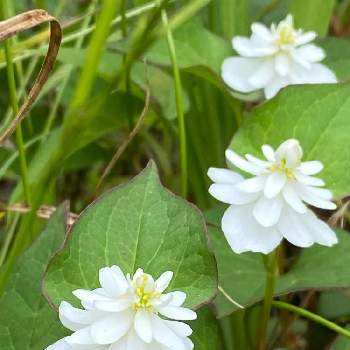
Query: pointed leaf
{"points": [[136, 225]]}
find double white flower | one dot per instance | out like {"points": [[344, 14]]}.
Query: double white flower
{"points": [[274, 58], [127, 313], [271, 204]]}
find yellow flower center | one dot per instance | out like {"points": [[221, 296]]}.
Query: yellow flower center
{"points": [[145, 296], [286, 35], [282, 167]]}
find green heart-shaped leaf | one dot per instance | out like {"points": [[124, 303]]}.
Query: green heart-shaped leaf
{"points": [[137, 225]]}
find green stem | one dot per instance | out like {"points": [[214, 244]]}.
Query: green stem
{"points": [[62, 88], [8, 239], [42, 36], [15, 108], [124, 22], [271, 274], [94, 52], [311, 316], [179, 107]]}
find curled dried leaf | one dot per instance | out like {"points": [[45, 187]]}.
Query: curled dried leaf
{"points": [[22, 22]]}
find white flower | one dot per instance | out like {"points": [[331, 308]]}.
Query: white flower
{"points": [[274, 58], [271, 204], [127, 314]]}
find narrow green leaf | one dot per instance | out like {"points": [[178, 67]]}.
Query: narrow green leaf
{"points": [[137, 225], [229, 17], [26, 320], [195, 47], [312, 14]]}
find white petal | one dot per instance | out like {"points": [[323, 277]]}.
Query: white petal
{"points": [[80, 337], [113, 305], [317, 74], [89, 296], [119, 345], [120, 277], [177, 313], [305, 38], [292, 198], [143, 325], [236, 71], [309, 180], [139, 272], [267, 211], [134, 342], [291, 151], [309, 53], [241, 163], [310, 168], [188, 344], [262, 31], [163, 300], [112, 281], [323, 193], [180, 328], [60, 345], [262, 76], [252, 185], [282, 64], [274, 86], [269, 153], [293, 229], [311, 197], [274, 184], [243, 232], [224, 176], [250, 49], [260, 163], [230, 194], [321, 232], [164, 280], [164, 335], [110, 329], [75, 319], [177, 298], [289, 20]]}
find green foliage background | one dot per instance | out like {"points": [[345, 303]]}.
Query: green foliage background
{"points": [[113, 52]]}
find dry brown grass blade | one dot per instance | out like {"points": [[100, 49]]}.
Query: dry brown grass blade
{"points": [[127, 141], [20, 23]]}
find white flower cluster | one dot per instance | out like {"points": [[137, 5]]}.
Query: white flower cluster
{"points": [[274, 58], [272, 204], [127, 313]]}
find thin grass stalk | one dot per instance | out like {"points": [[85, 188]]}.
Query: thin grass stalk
{"points": [[271, 267], [82, 93], [179, 107], [8, 239], [60, 92], [124, 23], [93, 55], [15, 109], [43, 36], [311, 316]]}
